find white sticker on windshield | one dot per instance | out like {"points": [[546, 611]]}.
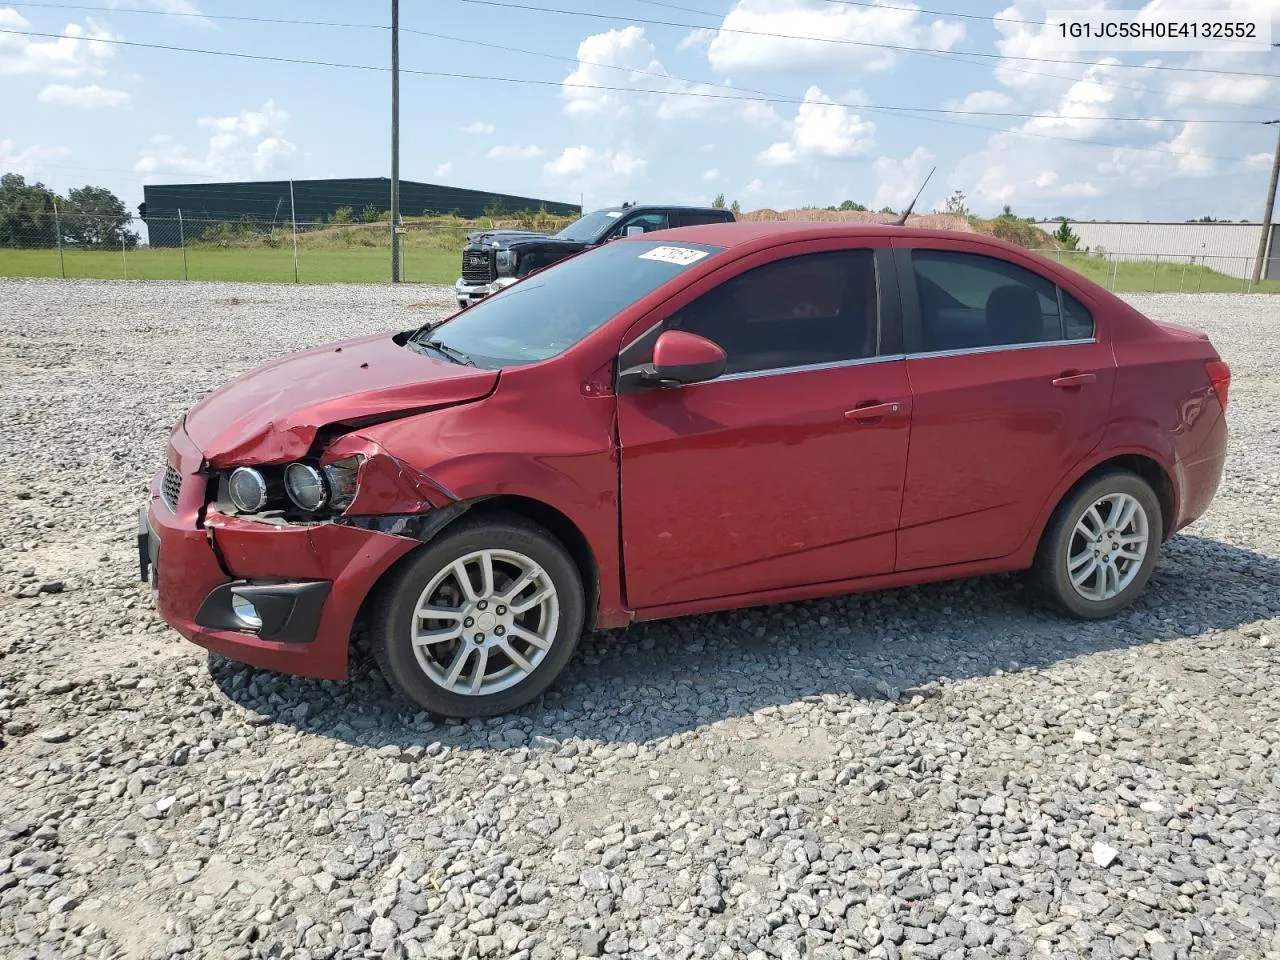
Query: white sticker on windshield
{"points": [[613, 213], [681, 256]]}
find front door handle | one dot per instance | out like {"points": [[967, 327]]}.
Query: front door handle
{"points": [[872, 411], [1069, 380]]}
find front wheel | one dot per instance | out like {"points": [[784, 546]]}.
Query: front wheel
{"points": [[1101, 546], [481, 621]]}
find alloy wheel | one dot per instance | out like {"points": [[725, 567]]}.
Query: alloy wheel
{"points": [[485, 622], [1107, 547]]}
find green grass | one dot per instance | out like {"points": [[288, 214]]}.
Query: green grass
{"points": [[249, 264], [431, 253], [1158, 276]]}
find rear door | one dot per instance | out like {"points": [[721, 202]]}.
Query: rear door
{"points": [[1011, 384]]}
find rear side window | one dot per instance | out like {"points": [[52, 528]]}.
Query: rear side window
{"points": [[970, 301], [693, 218], [1077, 321]]}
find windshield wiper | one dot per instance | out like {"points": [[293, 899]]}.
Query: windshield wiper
{"points": [[454, 354]]}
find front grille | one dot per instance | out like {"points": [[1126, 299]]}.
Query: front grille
{"points": [[477, 266], [170, 487]]}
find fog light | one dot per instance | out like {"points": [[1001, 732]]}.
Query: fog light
{"points": [[245, 612]]}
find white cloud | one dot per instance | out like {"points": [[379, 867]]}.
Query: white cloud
{"points": [[822, 130], [754, 187], [514, 152], [696, 39], [595, 171], [78, 51], [29, 161], [982, 100], [711, 176], [769, 25], [1258, 161], [760, 113], [625, 58], [443, 170], [898, 180], [249, 143], [89, 98], [478, 127]]}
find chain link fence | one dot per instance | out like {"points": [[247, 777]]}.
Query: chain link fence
{"points": [[1164, 272], [194, 248], [184, 248]]}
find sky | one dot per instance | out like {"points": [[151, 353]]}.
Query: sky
{"points": [[597, 108]]}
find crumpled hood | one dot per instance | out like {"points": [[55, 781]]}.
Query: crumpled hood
{"points": [[272, 413], [510, 238]]}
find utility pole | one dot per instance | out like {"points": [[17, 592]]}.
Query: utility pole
{"points": [[1271, 203], [395, 141]]}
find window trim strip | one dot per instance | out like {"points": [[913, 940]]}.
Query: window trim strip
{"points": [[966, 351], [808, 368]]}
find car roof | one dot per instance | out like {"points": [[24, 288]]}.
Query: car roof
{"points": [[663, 206], [765, 233]]}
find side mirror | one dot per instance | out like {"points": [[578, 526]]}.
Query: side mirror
{"points": [[635, 230], [679, 357]]}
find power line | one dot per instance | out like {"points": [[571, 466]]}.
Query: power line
{"points": [[905, 111], [901, 48], [946, 56], [950, 56]]}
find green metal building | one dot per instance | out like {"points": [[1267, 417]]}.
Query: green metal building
{"points": [[268, 202]]}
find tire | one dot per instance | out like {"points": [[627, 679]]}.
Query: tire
{"points": [[479, 627], [1113, 577]]}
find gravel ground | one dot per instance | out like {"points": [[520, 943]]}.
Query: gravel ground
{"points": [[934, 772]]}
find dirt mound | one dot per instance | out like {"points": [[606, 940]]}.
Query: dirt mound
{"points": [[932, 221]]}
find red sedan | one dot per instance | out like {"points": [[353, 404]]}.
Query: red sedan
{"points": [[709, 418]]}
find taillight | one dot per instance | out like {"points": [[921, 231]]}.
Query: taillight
{"points": [[1220, 377]]}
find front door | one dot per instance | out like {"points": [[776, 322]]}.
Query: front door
{"points": [[1012, 389], [786, 470]]}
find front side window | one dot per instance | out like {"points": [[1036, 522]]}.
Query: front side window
{"points": [[811, 309], [970, 301], [550, 311], [587, 228], [648, 222]]}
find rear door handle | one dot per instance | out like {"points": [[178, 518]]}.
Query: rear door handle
{"points": [[872, 412], [1069, 380]]}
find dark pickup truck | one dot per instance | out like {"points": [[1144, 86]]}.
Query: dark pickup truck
{"points": [[494, 259]]}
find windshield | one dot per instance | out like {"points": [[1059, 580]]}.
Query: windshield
{"points": [[547, 313], [585, 229]]}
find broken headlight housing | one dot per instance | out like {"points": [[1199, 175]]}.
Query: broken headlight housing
{"points": [[300, 486]]}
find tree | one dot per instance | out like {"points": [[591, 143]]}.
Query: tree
{"points": [[735, 208], [343, 215], [889, 210], [370, 214], [26, 213], [1065, 236], [850, 205], [955, 205], [718, 202], [95, 217]]}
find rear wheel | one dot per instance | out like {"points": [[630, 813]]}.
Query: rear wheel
{"points": [[1101, 546], [482, 620]]}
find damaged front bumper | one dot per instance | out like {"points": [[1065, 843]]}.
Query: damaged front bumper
{"points": [[305, 583]]}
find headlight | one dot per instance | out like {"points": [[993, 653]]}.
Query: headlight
{"points": [[305, 486], [505, 260], [247, 489], [340, 477]]}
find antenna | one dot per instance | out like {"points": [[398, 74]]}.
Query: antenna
{"points": [[912, 205]]}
